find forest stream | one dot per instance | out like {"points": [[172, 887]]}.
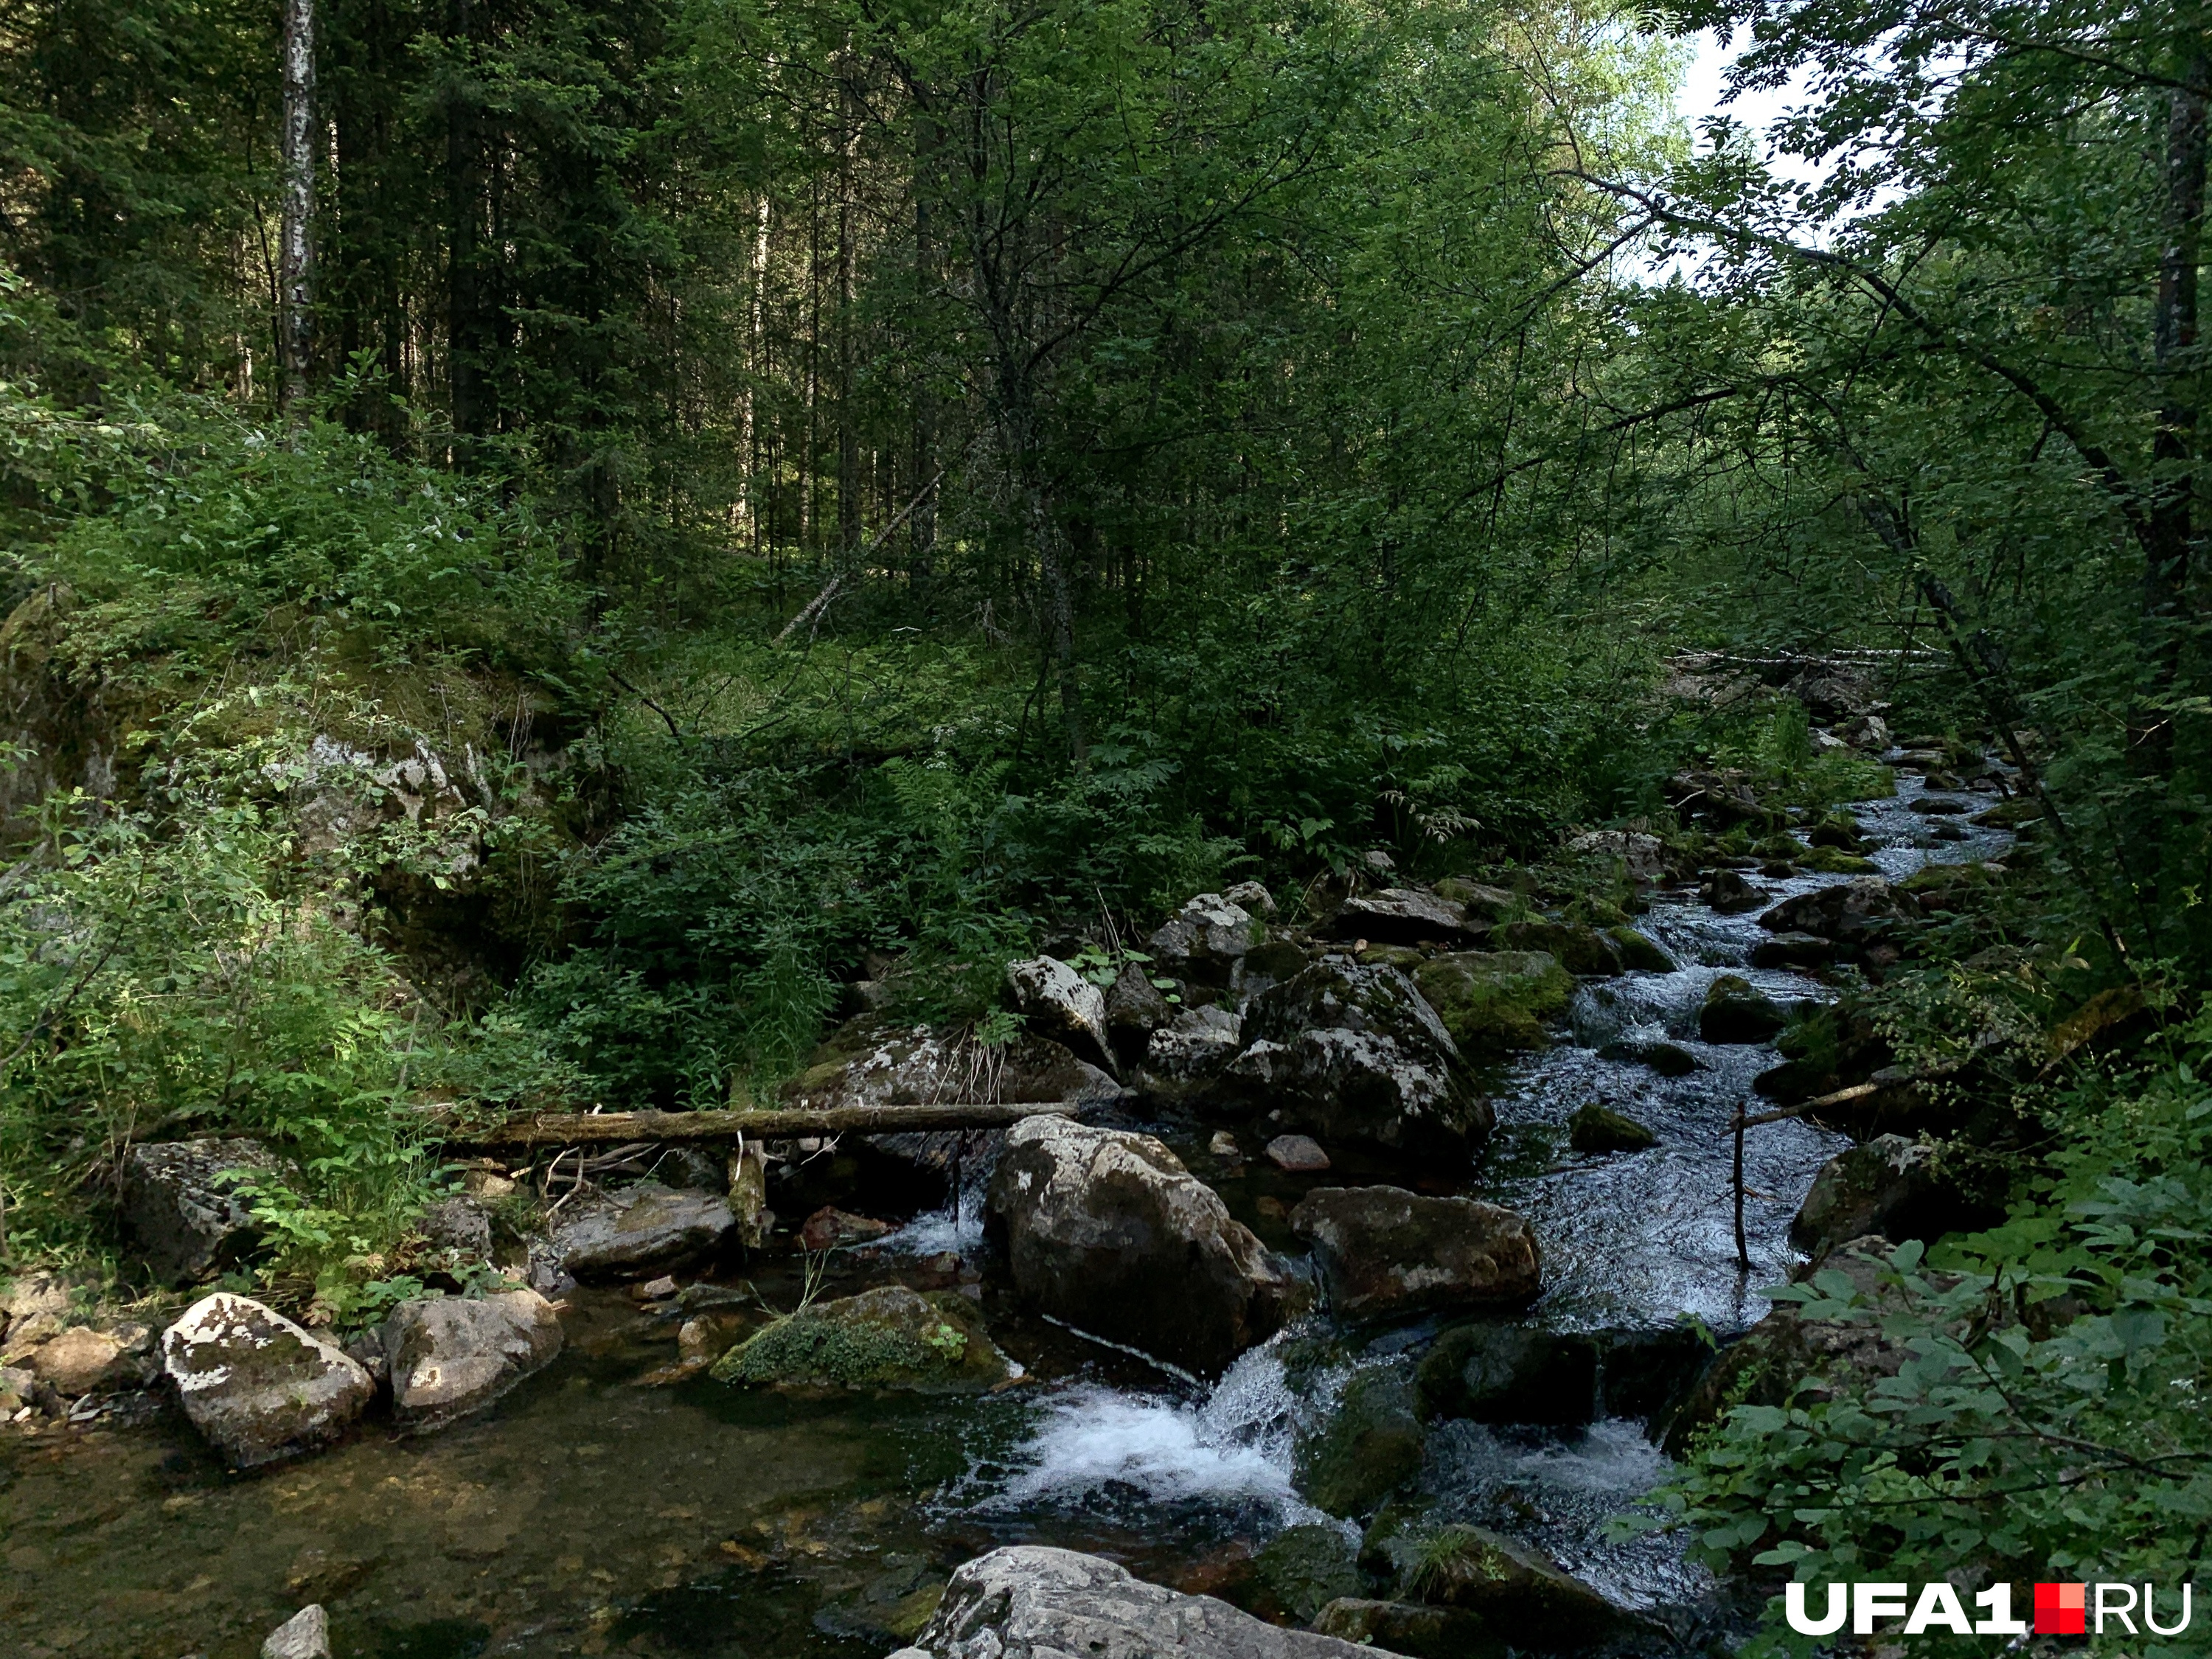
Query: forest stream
{"points": [[604, 1508]]}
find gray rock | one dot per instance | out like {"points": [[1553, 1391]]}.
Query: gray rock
{"points": [[1386, 1251], [1846, 912], [648, 1226], [178, 1204], [1793, 949], [1109, 1232], [1060, 1004], [82, 1360], [1404, 915], [1891, 1186], [1135, 1008], [1251, 897], [1297, 1154], [1186, 1055], [1369, 1444], [450, 1355], [866, 1064], [461, 1225], [305, 1635], [1735, 1013], [1205, 941], [1730, 894], [1031, 1603], [256, 1386], [1644, 858], [1346, 1053]]}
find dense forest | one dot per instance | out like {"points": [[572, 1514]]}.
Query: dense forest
{"points": [[559, 551]]}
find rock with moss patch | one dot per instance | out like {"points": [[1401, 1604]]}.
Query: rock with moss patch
{"points": [[257, 1386], [1496, 1001], [181, 1205], [1404, 915], [1304, 1568], [1385, 1251], [1369, 1445], [887, 1338], [1060, 1004], [1595, 1128], [1736, 1013], [452, 1356], [1409, 1628], [1890, 1186], [1514, 1589], [641, 1230], [1500, 1373], [1577, 946], [1639, 951], [1668, 1059], [1205, 941], [868, 1063]]}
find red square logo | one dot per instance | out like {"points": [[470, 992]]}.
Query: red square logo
{"points": [[2062, 1610]]}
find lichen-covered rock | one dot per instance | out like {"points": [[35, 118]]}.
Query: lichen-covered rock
{"points": [[625, 1233], [179, 1204], [451, 1356], [1891, 1186], [1109, 1232], [1186, 1055], [1029, 1602], [868, 1063], [1060, 1004], [1847, 912], [1642, 858], [1514, 1589], [1250, 895], [888, 1338], [461, 1224], [1735, 1013], [1368, 1446], [1387, 1251], [1595, 1128], [305, 1635], [1349, 1053], [1135, 1008], [1304, 1568], [256, 1385], [1404, 915], [1496, 1001], [1205, 941]]}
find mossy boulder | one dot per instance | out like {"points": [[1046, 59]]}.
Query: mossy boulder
{"points": [[1668, 1059], [1501, 1373], [1369, 1446], [1833, 861], [1489, 905], [1636, 950], [1595, 1128], [1306, 1568], [1736, 1013], [887, 1338], [1409, 1628], [1576, 946], [1496, 1001], [1513, 1588]]}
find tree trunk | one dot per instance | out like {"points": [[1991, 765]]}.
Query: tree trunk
{"points": [[467, 333], [848, 433], [618, 1128], [295, 237]]}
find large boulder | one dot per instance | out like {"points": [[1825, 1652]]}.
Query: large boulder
{"points": [[888, 1338], [1575, 945], [450, 1355], [648, 1227], [867, 1063], [1369, 1444], [1891, 1186], [1641, 857], [1347, 1052], [1187, 1054], [181, 1205], [1205, 942], [1384, 1251], [1496, 1001], [1520, 1594], [1404, 915], [1135, 1008], [256, 1386], [1029, 1602], [1109, 1232], [1060, 1004], [1848, 913], [1735, 1013]]}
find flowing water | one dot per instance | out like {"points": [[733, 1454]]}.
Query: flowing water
{"points": [[602, 1508]]}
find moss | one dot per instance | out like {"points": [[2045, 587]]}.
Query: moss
{"points": [[1496, 1001], [1832, 861], [891, 1337], [1595, 1128], [1639, 951]]}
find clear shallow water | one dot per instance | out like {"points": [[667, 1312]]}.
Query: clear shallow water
{"points": [[589, 1514]]}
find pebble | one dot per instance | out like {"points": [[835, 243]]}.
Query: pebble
{"points": [[657, 1290], [1298, 1154], [1223, 1144]]}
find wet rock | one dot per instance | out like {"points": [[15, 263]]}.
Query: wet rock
{"points": [[1730, 893], [1847, 912], [895, 1605], [1485, 906], [1369, 1445], [1109, 1232], [1890, 1186], [1495, 1373], [1347, 1053], [887, 1338], [1060, 1004], [1205, 941], [1496, 1002], [180, 1205], [1223, 1144], [828, 1228], [1868, 732], [305, 1635], [461, 1225], [1668, 1059], [868, 1063], [1513, 1588], [1646, 1373], [82, 1360], [1250, 895], [256, 1386], [1408, 1628], [1269, 964], [1029, 1602], [1735, 1013], [1403, 915], [1799, 951], [1642, 858], [1939, 806], [1577, 946], [1187, 1055], [629, 1233], [1386, 1251], [918, 1170], [1595, 1128], [1135, 1008], [1636, 950], [1297, 1154], [450, 1355], [2012, 814], [1304, 1568]]}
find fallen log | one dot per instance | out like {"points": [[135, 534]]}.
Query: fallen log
{"points": [[599, 1128]]}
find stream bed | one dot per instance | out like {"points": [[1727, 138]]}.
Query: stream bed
{"points": [[598, 1509]]}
